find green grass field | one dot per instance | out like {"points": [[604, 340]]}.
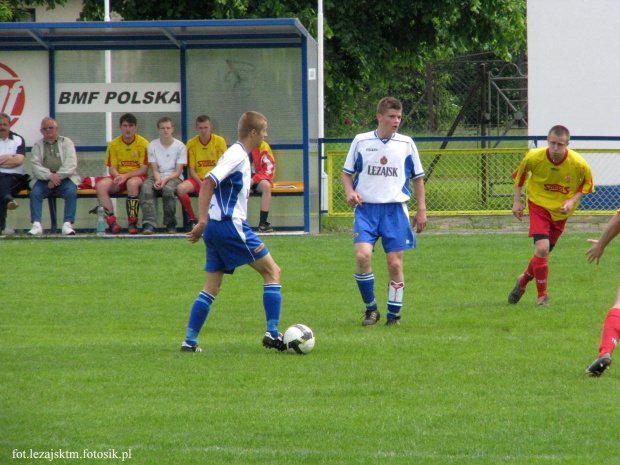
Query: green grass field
{"points": [[89, 354]]}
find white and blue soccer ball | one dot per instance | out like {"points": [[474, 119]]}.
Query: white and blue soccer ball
{"points": [[299, 339]]}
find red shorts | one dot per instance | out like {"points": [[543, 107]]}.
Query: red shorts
{"points": [[196, 185], [541, 223], [123, 187]]}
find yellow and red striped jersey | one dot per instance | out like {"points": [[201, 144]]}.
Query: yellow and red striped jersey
{"points": [[549, 184], [127, 157], [203, 158]]}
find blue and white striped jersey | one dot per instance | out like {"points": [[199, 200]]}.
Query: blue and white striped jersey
{"points": [[382, 168], [232, 176]]}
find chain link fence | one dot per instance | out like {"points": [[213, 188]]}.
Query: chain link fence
{"points": [[478, 181], [473, 95]]}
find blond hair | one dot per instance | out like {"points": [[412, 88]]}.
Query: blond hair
{"points": [[250, 120]]}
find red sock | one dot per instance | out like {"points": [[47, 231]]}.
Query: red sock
{"points": [[529, 273], [611, 332], [541, 271], [187, 206]]}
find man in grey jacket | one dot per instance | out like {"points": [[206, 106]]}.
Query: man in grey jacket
{"points": [[54, 169]]}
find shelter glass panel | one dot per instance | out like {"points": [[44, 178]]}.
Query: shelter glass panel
{"points": [[225, 83]]}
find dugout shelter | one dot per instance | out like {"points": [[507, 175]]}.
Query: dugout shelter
{"points": [[87, 74]]}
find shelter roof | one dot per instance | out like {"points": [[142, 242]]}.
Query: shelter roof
{"points": [[151, 34]]}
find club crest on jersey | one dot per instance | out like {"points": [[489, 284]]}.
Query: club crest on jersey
{"points": [[568, 178]]}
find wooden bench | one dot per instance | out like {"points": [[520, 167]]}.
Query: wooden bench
{"points": [[280, 188]]}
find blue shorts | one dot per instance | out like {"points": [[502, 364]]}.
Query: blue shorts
{"points": [[230, 244], [389, 221]]}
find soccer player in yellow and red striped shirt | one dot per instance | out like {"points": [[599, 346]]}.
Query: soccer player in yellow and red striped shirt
{"points": [[611, 325], [127, 163], [203, 152], [556, 179]]}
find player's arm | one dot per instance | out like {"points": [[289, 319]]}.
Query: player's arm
{"points": [[568, 204], [177, 172], [142, 171], [12, 161], [353, 198], [419, 220], [156, 175], [113, 171], [204, 200], [193, 175], [517, 206], [598, 247]]}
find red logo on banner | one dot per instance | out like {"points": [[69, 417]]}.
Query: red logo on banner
{"points": [[12, 95]]}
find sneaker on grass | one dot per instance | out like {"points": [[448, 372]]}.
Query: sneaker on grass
{"points": [[37, 229], [271, 343], [185, 347], [67, 229], [148, 229], [516, 293], [265, 228], [371, 317], [598, 366]]}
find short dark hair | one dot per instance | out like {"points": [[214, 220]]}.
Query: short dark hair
{"points": [[129, 118], [559, 130], [202, 119], [388, 103], [164, 119]]}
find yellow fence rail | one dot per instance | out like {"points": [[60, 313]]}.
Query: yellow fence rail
{"points": [[479, 181]]}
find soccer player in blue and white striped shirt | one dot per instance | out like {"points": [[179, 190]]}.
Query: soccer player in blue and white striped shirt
{"points": [[377, 174], [230, 242]]}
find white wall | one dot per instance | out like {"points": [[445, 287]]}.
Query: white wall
{"points": [[574, 73], [25, 74], [70, 12], [574, 66]]}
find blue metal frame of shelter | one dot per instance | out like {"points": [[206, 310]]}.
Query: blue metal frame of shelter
{"points": [[181, 35]]}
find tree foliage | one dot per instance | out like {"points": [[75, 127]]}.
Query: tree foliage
{"points": [[17, 10], [372, 47]]}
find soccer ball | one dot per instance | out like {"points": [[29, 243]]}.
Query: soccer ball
{"points": [[299, 339]]}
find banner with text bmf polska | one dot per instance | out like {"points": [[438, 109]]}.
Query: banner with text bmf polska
{"points": [[118, 97], [25, 94]]}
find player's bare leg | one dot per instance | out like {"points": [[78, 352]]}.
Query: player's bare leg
{"points": [[104, 188]]}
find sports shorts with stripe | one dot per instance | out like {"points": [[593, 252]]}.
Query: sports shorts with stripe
{"points": [[231, 244], [388, 221]]}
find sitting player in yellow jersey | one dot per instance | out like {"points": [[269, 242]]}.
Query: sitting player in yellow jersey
{"points": [[558, 178], [203, 152], [126, 159]]}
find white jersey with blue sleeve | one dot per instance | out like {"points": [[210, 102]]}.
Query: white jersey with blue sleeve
{"points": [[232, 176], [382, 168]]}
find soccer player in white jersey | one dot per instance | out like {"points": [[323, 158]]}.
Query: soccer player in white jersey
{"points": [[230, 242], [376, 178]]}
